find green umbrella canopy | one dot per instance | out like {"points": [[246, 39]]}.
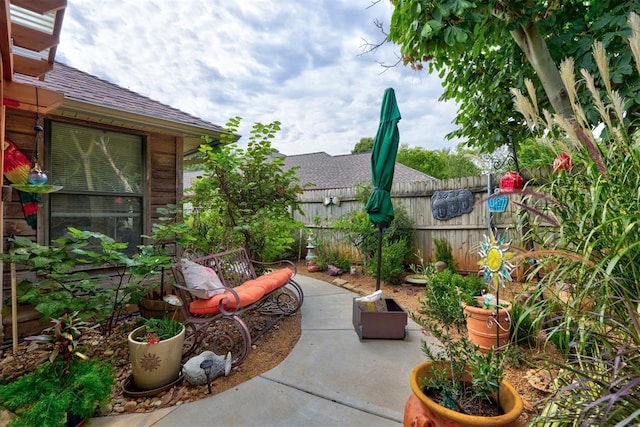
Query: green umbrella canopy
{"points": [[383, 160]]}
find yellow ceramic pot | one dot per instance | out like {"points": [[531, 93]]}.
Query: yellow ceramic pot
{"points": [[155, 365]]}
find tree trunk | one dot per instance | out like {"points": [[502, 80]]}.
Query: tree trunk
{"points": [[535, 49]]}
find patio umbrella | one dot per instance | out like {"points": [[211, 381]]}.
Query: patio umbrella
{"points": [[383, 160]]}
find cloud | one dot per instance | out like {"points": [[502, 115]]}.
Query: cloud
{"points": [[298, 62]]}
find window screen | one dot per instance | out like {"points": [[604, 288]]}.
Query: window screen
{"points": [[101, 177]]}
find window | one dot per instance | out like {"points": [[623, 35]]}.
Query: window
{"points": [[101, 174]]}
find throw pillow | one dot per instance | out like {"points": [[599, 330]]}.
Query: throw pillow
{"points": [[202, 281]]}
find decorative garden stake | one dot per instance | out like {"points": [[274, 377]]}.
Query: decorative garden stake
{"points": [[511, 181], [562, 162], [494, 263]]}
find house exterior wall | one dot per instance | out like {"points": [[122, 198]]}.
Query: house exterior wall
{"points": [[163, 182]]}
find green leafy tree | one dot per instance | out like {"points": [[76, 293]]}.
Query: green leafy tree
{"points": [[481, 49], [365, 145], [441, 164], [245, 197]]}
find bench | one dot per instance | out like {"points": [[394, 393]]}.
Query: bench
{"points": [[254, 296]]}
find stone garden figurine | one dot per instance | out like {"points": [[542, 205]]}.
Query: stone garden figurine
{"points": [[195, 375]]}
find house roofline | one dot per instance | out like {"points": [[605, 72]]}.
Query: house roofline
{"points": [[102, 114]]}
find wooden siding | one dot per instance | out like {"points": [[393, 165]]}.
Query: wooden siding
{"points": [[163, 156], [464, 233]]}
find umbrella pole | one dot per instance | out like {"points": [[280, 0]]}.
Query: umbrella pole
{"points": [[379, 257]]}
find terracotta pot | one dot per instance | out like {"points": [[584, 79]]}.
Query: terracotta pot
{"points": [[155, 365], [482, 325], [420, 411]]}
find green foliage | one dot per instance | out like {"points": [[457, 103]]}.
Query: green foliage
{"points": [[593, 253], [480, 49], [532, 154], [443, 253], [365, 145], [441, 312], [67, 284], [65, 335], [43, 397], [397, 241], [170, 229], [360, 233], [393, 256], [441, 164], [158, 329], [523, 328], [245, 197], [327, 255], [442, 300]]}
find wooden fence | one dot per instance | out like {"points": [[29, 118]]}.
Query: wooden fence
{"points": [[464, 233]]}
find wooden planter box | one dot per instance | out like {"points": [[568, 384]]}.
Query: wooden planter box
{"points": [[390, 324]]}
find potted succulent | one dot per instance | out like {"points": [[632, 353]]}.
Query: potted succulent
{"points": [[155, 351], [66, 389], [458, 385]]}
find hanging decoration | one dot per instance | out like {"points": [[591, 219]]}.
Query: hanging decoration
{"points": [[511, 181], [36, 180], [498, 203], [17, 167]]}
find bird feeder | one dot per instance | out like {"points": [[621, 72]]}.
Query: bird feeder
{"points": [[511, 181]]}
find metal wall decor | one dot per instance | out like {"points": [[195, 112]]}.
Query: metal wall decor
{"points": [[450, 204]]}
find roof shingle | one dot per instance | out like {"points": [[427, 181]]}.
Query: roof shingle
{"points": [[344, 171], [80, 86]]}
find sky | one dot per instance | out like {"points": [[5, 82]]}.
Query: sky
{"points": [[301, 62]]}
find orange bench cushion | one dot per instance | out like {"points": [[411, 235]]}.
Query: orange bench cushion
{"points": [[249, 293]]}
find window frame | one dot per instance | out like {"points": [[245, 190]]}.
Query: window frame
{"points": [[142, 195]]}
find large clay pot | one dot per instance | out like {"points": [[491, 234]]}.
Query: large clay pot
{"points": [[420, 411], [482, 324], [155, 365]]}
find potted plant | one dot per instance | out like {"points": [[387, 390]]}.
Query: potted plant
{"points": [[155, 352], [66, 389], [488, 321], [458, 385]]}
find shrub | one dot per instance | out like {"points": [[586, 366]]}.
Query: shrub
{"points": [[360, 233], [392, 267], [44, 397], [65, 285], [245, 197], [443, 253]]}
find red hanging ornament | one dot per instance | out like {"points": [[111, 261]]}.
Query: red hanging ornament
{"points": [[511, 181], [562, 162]]}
